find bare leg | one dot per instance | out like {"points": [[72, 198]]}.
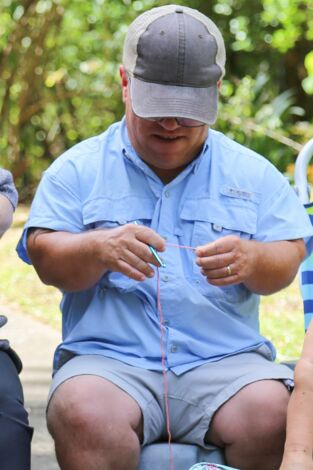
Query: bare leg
{"points": [[299, 441], [95, 425], [251, 426]]}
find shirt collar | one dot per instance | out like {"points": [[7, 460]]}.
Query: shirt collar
{"points": [[130, 153]]}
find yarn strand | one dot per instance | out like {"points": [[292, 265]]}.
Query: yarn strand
{"points": [[163, 357], [164, 374], [185, 247]]}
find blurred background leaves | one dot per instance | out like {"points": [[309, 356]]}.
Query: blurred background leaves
{"points": [[59, 80]]}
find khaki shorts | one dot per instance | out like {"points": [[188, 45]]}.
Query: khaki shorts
{"points": [[193, 397]]}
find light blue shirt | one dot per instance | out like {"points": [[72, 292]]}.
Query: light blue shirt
{"points": [[228, 189]]}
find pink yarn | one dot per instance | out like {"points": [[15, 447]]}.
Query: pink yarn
{"points": [[163, 358]]}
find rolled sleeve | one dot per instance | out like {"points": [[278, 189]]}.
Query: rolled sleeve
{"points": [[282, 216], [56, 206]]}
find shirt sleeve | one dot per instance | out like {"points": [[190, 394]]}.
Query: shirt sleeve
{"points": [[281, 215], [56, 205], [7, 187]]}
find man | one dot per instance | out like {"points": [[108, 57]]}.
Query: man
{"points": [[15, 432], [221, 218]]}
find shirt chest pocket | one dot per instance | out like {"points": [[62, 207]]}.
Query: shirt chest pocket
{"points": [[207, 220], [213, 219]]}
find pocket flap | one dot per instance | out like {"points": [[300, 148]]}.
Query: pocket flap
{"points": [[121, 211], [241, 216]]}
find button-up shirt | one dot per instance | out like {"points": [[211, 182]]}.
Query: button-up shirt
{"points": [[227, 190]]}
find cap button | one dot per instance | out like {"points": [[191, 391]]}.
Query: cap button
{"points": [[179, 10]]}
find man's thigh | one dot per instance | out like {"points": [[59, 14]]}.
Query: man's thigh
{"points": [[194, 397], [197, 396]]}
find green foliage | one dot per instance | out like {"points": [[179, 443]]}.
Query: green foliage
{"points": [[59, 80], [291, 21], [254, 114], [307, 83], [282, 321]]}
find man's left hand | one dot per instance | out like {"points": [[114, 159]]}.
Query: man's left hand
{"points": [[228, 260]]}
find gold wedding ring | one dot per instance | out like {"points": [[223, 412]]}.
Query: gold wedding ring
{"points": [[229, 272]]}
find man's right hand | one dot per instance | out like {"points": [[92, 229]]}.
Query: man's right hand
{"points": [[126, 250], [76, 261]]}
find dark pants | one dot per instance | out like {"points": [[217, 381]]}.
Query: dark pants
{"points": [[15, 432]]}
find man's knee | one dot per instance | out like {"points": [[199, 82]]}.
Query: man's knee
{"points": [[69, 413], [94, 425], [90, 408]]}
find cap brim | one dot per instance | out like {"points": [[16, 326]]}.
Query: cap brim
{"points": [[151, 100]]}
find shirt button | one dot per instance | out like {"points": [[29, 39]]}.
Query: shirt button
{"points": [[165, 278], [217, 228], [173, 349], [197, 282], [166, 322], [102, 292], [167, 193]]}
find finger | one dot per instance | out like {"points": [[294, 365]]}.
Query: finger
{"points": [[215, 261], [225, 281], [138, 263], [220, 273], [150, 237], [209, 249], [130, 271], [222, 245], [144, 252]]}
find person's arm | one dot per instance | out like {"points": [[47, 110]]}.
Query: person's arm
{"points": [[6, 214], [299, 438], [264, 268], [75, 262], [8, 199]]}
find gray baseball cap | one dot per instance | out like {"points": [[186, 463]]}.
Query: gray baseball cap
{"points": [[174, 56]]}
